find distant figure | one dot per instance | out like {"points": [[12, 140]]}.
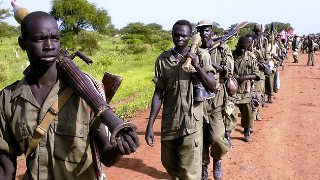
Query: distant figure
{"points": [[310, 50], [295, 48]]}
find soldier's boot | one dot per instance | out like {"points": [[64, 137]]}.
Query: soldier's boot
{"points": [[217, 169], [263, 101], [247, 134], [204, 173], [270, 99], [227, 136], [258, 118]]}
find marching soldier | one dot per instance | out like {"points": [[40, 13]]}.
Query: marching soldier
{"points": [[246, 71], [214, 127]]}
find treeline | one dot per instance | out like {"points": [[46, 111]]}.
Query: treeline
{"points": [[82, 24]]}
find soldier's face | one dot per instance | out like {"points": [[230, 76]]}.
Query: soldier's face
{"points": [[43, 41], [205, 33], [181, 35]]}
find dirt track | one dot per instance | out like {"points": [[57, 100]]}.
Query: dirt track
{"points": [[284, 143]]}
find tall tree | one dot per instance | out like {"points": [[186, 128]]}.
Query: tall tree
{"points": [[77, 15]]}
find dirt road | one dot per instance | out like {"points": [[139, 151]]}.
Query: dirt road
{"points": [[284, 144]]}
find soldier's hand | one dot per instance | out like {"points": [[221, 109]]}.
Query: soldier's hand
{"points": [[149, 137], [195, 59], [127, 141]]}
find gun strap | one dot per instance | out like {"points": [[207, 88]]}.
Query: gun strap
{"points": [[52, 112]]}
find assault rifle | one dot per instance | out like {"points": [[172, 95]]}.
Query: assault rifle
{"points": [[225, 38]]}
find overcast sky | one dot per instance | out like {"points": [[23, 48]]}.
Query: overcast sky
{"points": [[302, 15]]}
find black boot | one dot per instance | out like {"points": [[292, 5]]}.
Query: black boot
{"points": [[247, 134], [204, 174], [217, 169]]}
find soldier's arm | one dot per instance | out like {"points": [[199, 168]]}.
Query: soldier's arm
{"points": [[155, 108], [109, 155], [7, 166], [207, 77]]}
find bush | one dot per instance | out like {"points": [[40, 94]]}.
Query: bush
{"points": [[88, 42], [136, 48], [68, 40]]}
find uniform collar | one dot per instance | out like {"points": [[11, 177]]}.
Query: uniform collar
{"points": [[23, 90]]}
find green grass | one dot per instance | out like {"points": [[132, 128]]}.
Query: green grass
{"points": [[136, 90]]}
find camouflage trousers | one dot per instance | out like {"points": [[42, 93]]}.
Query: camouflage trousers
{"points": [[213, 135], [310, 59]]}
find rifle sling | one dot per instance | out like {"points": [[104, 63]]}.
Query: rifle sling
{"points": [[53, 111]]}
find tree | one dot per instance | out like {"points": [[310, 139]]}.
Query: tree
{"points": [[245, 30], [4, 13], [279, 26], [77, 15], [217, 29], [137, 35], [6, 30]]}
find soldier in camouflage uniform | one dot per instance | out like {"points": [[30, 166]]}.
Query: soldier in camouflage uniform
{"points": [[214, 127], [295, 48], [310, 50], [272, 61], [182, 115], [304, 42], [258, 86], [245, 71]]}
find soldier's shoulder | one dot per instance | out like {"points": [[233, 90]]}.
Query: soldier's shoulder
{"points": [[8, 90], [165, 54]]}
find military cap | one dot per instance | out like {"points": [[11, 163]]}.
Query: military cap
{"points": [[204, 22]]}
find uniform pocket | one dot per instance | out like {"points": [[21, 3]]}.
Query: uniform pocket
{"points": [[71, 141], [170, 79]]}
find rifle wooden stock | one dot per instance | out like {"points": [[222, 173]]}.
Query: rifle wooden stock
{"points": [[80, 83], [196, 39]]}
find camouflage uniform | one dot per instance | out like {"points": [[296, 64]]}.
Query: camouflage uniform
{"points": [[295, 48], [259, 86], [245, 65], [182, 117], [214, 127], [271, 51], [64, 152], [310, 50]]}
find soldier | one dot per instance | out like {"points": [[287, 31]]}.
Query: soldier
{"points": [[273, 62], [64, 150], [259, 86], [295, 48], [214, 129], [310, 50], [245, 71], [182, 116], [304, 42]]}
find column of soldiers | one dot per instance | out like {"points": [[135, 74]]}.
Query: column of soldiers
{"points": [[255, 66], [241, 80]]}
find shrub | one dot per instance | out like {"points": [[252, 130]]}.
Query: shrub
{"points": [[88, 42]]}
